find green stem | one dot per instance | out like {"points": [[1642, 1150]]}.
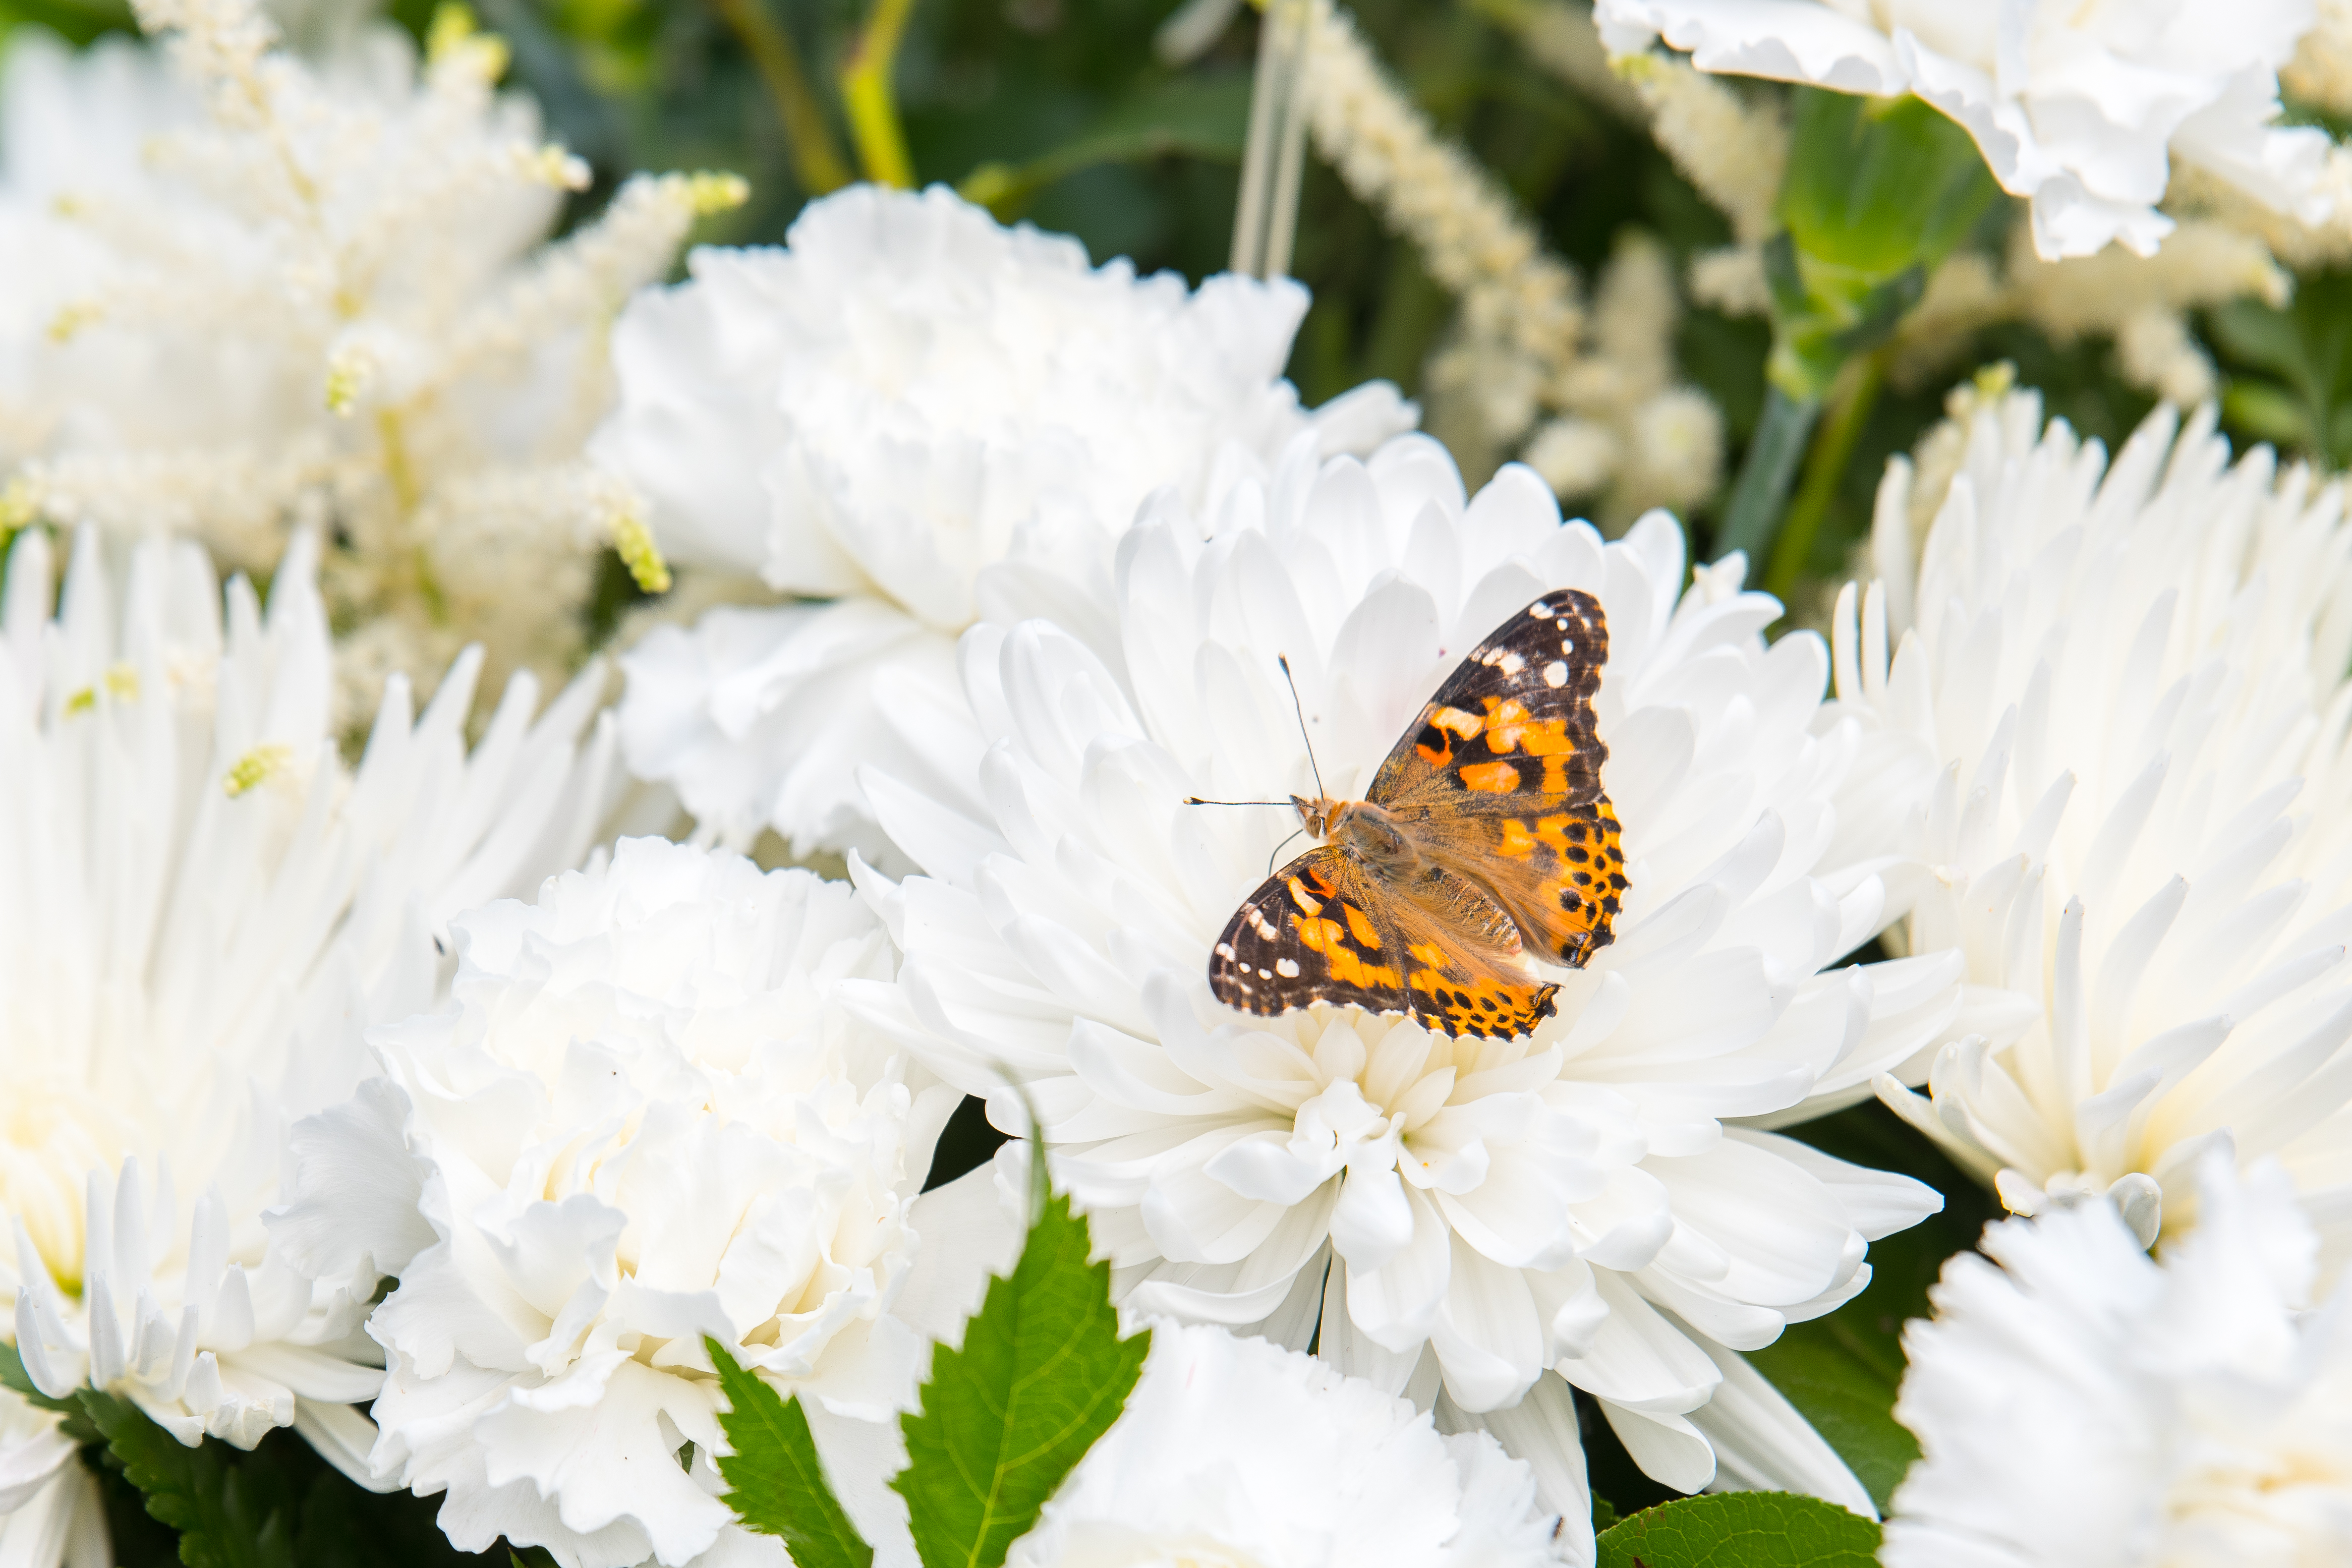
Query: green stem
{"points": [[816, 157], [1825, 465], [1754, 512], [865, 93]]}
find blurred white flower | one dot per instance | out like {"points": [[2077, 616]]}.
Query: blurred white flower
{"points": [[922, 417], [2117, 735], [2081, 107], [1237, 1452], [204, 907], [2080, 1405], [1487, 1210], [247, 290], [643, 1118]]}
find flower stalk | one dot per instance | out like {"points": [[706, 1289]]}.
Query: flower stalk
{"points": [[866, 94]]}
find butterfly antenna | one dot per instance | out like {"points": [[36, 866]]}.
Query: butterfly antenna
{"points": [[1300, 708], [1196, 801], [1277, 853]]}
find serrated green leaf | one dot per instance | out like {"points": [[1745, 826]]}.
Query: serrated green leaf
{"points": [[1742, 1530], [776, 1482], [1042, 1374], [227, 1516]]}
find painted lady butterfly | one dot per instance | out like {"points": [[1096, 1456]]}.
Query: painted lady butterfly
{"points": [[1485, 829]]}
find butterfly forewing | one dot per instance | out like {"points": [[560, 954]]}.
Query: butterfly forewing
{"points": [[1500, 777], [1323, 929]]}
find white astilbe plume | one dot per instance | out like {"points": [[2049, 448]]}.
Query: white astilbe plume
{"points": [[2114, 726], [2079, 1404], [643, 1118], [204, 908], [909, 416], [256, 291], [1475, 1215], [1233, 1451]]}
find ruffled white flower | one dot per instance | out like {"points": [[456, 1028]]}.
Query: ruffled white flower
{"points": [[1237, 1452], [247, 290], [2081, 1406], [2081, 107], [643, 1118], [920, 417], [1487, 1210], [2118, 730], [204, 907]]}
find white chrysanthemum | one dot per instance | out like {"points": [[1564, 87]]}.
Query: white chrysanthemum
{"points": [[1571, 1200], [922, 417], [245, 290], [1234, 1453], [204, 907], [643, 1118], [2081, 107], [2081, 1406], [2119, 732]]}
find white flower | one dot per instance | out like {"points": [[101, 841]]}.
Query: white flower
{"points": [[2081, 107], [2119, 732], [922, 417], [2082, 1406], [1234, 1453], [251, 291], [643, 1118], [204, 906], [1571, 1200]]}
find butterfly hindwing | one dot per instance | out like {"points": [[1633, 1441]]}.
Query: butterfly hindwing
{"points": [[1500, 777], [1323, 929]]}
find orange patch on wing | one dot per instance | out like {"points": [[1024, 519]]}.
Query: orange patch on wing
{"points": [[1495, 778], [1489, 1009], [1509, 728], [1465, 724], [1361, 928], [1305, 900], [1329, 938]]}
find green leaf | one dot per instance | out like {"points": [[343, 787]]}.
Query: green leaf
{"points": [[775, 1481], [1042, 1374], [227, 1516], [1207, 119], [1742, 1530]]}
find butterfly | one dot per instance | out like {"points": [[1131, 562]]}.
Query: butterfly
{"points": [[1485, 834]]}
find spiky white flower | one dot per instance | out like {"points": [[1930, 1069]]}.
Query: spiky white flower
{"points": [[2080, 1405], [204, 906], [249, 290], [1485, 1211], [2082, 107], [2118, 728], [644, 1117], [918, 416], [1234, 1451]]}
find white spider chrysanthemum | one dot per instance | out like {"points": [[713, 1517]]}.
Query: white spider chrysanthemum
{"points": [[644, 1117], [923, 417], [2082, 1405], [1234, 1451], [2118, 728], [249, 290], [1570, 1200], [2081, 107], [204, 906]]}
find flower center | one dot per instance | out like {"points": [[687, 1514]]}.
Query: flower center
{"points": [[53, 1133]]}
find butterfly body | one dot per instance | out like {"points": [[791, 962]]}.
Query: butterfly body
{"points": [[1484, 834]]}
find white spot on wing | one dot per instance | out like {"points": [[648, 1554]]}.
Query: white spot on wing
{"points": [[1555, 673], [1287, 968]]}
